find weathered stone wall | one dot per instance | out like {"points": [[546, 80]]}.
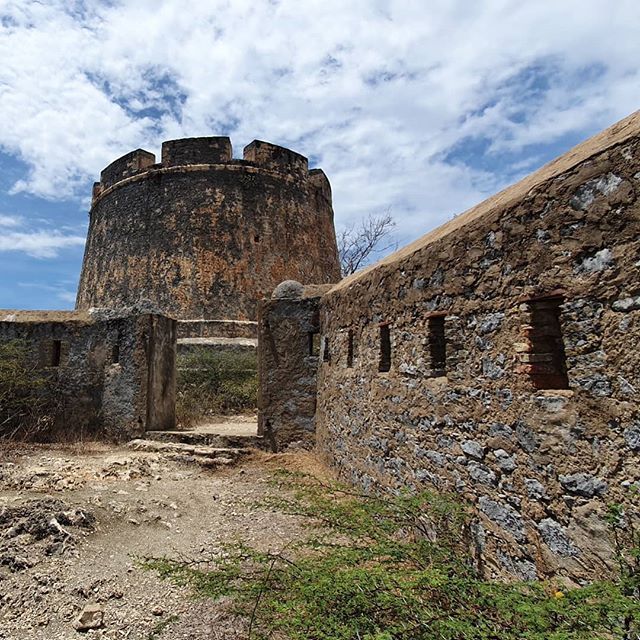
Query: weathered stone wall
{"points": [[288, 357], [115, 372], [231, 346], [202, 236], [217, 329], [547, 266], [196, 151]]}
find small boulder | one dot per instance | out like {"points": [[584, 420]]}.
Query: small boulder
{"points": [[91, 617], [583, 484], [473, 449], [504, 460]]}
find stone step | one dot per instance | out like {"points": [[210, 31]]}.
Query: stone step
{"points": [[207, 438], [204, 455]]}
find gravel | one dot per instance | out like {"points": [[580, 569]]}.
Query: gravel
{"points": [[75, 523]]}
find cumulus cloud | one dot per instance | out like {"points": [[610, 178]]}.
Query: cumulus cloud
{"points": [[420, 108]]}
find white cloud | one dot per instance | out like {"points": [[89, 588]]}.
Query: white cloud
{"points": [[38, 243], [10, 221], [62, 290], [378, 91], [67, 296]]}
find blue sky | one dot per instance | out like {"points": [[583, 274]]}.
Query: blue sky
{"points": [[422, 109]]}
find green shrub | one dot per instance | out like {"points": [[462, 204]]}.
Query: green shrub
{"points": [[394, 569], [626, 537], [29, 402], [215, 382]]}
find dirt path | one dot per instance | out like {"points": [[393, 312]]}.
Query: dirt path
{"points": [[73, 523]]}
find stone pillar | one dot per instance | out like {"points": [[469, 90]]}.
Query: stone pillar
{"points": [[288, 326]]}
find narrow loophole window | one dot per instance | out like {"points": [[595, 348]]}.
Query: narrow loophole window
{"points": [[314, 344], [546, 360], [437, 346], [385, 348], [350, 349], [325, 349], [56, 353], [115, 354]]}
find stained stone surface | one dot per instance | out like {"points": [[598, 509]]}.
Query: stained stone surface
{"points": [[534, 419], [203, 235]]}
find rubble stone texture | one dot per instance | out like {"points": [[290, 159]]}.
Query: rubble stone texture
{"points": [[288, 357], [91, 617], [204, 236], [534, 418], [114, 371]]}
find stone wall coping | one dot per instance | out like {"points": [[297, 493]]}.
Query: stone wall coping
{"points": [[88, 316], [217, 321], [19, 316], [239, 342]]}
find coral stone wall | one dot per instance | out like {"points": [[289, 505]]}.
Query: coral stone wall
{"points": [[203, 236], [532, 412], [217, 329], [114, 372], [288, 356]]}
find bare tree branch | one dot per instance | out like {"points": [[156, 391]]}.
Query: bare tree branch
{"points": [[358, 244]]}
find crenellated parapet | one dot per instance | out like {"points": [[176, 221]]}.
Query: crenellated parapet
{"points": [[319, 179], [204, 235], [187, 154]]}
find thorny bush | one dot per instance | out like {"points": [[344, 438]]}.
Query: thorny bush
{"points": [[394, 568], [211, 383], [29, 399]]}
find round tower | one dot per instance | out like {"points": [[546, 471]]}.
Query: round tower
{"points": [[203, 236]]}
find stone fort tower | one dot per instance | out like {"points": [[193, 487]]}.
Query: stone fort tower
{"points": [[204, 236]]}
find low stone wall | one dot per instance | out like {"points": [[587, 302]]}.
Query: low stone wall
{"points": [[115, 372], [193, 346], [217, 329], [496, 358]]}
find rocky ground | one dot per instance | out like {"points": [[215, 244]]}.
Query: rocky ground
{"points": [[76, 520]]}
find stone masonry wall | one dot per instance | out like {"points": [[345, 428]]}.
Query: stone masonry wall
{"points": [[202, 236], [288, 356], [530, 411], [115, 372], [217, 329]]}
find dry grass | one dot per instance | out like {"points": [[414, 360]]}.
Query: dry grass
{"points": [[299, 462]]}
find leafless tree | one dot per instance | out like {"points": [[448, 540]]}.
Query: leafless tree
{"points": [[357, 244]]}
